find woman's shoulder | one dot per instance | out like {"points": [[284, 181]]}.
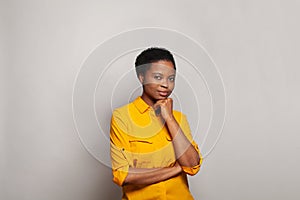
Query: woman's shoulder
{"points": [[122, 110], [178, 114]]}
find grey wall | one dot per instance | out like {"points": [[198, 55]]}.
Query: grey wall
{"points": [[2, 100], [254, 43]]}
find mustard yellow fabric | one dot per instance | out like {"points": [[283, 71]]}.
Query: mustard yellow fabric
{"points": [[139, 139]]}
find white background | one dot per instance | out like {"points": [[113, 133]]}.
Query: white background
{"points": [[254, 43]]}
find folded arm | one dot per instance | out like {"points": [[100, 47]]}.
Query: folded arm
{"points": [[185, 152], [144, 176]]}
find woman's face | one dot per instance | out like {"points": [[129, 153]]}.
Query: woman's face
{"points": [[158, 81]]}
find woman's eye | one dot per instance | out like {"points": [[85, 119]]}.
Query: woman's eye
{"points": [[172, 79], [158, 77]]}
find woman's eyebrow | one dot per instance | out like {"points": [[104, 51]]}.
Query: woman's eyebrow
{"points": [[157, 73], [162, 73]]}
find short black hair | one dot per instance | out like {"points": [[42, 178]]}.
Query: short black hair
{"points": [[151, 55]]}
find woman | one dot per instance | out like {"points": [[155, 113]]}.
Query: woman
{"points": [[152, 148]]}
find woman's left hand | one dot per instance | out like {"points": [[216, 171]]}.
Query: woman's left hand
{"points": [[166, 108]]}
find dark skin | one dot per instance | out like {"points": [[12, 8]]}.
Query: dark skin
{"points": [[158, 83]]}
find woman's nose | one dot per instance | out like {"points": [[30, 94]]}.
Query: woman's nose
{"points": [[164, 83]]}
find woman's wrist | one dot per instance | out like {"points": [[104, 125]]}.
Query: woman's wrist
{"points": [[170, 119]]}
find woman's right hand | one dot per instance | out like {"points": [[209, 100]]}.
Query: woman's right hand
{"points": [[177, 167]]}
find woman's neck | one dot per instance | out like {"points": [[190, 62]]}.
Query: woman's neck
{"points": [[148, 100]]}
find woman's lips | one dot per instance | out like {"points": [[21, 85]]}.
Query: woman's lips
{"points": [[164, 94]]}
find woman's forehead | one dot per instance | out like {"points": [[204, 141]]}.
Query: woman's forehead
{"points": [[162, 67]]}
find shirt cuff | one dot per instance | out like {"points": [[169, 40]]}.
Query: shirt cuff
{"points": [[191, 170], [120, 174]]}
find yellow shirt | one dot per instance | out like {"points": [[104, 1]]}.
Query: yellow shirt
{"points": [[139, 139]]}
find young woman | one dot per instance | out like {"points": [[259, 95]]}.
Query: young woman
{"points": [[152, 148]]}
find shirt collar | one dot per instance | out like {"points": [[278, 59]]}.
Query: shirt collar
{"points": [[140, 104]]}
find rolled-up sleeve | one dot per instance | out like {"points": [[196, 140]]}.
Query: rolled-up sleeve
{"points": [[187, 131], [120, 165], [193, 170], [118, 144]]}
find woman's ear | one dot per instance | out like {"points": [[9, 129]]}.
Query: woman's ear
{"points": [[141, 78]]}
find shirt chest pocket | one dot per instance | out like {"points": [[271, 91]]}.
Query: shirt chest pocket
{"points": [[141, 146], [142, 153]]}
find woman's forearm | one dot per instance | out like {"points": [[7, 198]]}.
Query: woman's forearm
{"points": [[185, 152], [145, 176]]}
